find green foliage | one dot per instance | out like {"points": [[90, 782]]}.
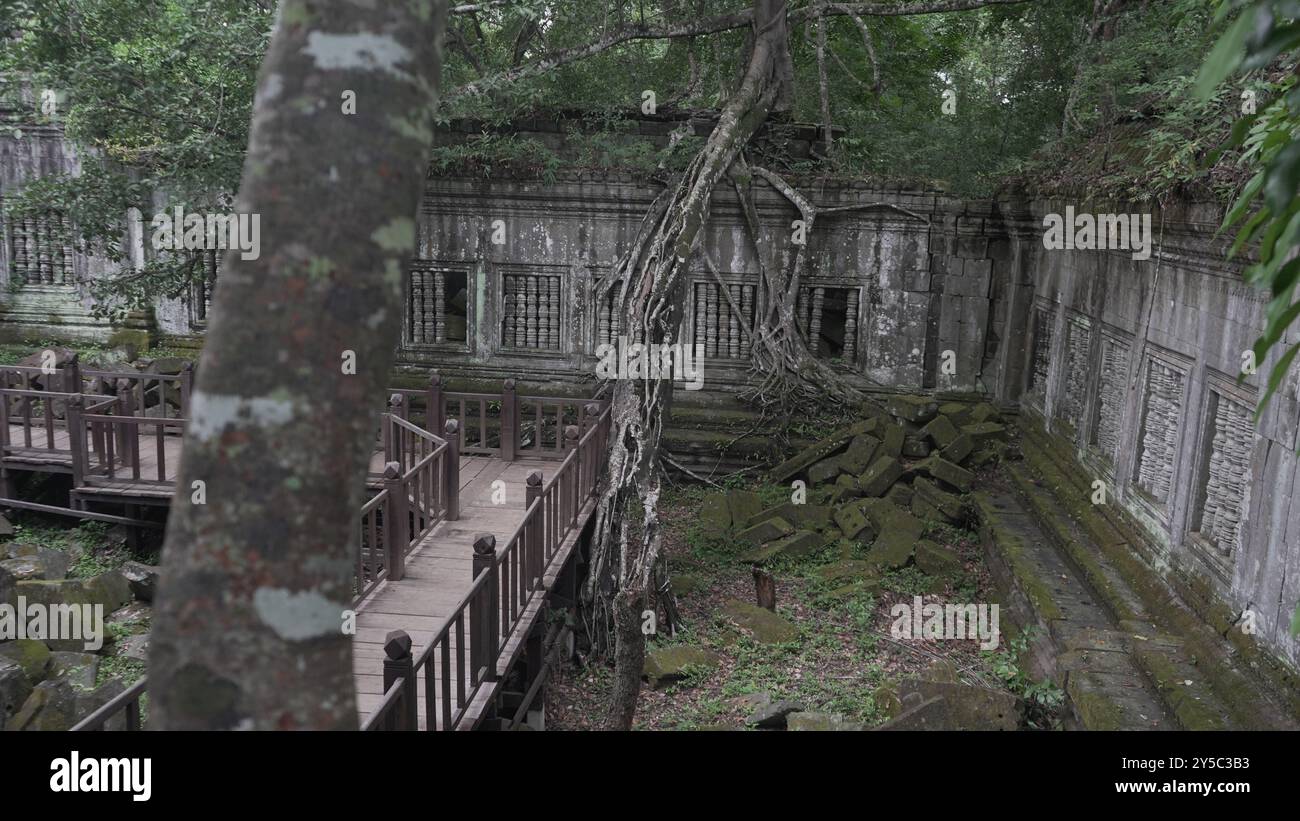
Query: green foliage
{"points": [[158, 96], [1132, 131], [1267, 210], [1043, 697]]}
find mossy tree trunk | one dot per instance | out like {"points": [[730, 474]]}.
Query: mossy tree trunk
{"points": [[255, 582]]}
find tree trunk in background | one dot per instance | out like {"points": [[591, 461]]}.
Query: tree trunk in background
{"points": [[255, 582], [651, 298]]}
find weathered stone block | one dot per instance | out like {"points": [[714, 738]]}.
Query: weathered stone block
{"points": [[958, 449], [880, 476], [938, 561], [859, 454], [772, 716], [983, 432], [821, 722], [917, 409], [967, 707], [916, 447], [715, 516], [743, 505], [947, 506], [804, 459], [669, 664], [31, 655], [851, 520], [52, 705], [892, 443], [795, 546], [15, 687], [900, 494], [80, 669], [142, 578], [765, 531], [984, 412], [824, 471], [808, 516], [941, 431], [955, 476], [765, 626], [899, 532]]}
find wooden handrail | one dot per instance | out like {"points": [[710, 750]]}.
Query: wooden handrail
{"points": [[504, 581], [128, 700]]}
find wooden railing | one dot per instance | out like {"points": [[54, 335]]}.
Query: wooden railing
{"points": [[41, 417], [137, 388], [127, 702], [421, 487], [506, 425], [464, 655], [36, 399]]}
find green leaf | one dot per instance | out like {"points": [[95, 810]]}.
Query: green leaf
{"points": [[1225, 57], [1283, 177]]}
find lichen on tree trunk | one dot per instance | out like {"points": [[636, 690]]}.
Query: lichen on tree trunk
{"points": [[248, 629]]}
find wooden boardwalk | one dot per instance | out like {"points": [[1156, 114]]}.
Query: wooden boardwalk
{"points": [[448, 467], [438, 571]]}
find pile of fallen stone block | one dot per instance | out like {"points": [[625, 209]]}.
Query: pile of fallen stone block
{"points": [[48, 680], [880, 481]]}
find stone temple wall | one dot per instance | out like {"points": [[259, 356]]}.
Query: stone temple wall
{"points": [[1134, 364], [888, 292], [511, 276]]}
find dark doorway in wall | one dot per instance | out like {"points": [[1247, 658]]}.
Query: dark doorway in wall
{"points": [[835, 317], [456, 295], [437, 307], [828, 318]]}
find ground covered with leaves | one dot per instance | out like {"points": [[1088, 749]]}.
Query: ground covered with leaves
{"points": [[843, 659]]}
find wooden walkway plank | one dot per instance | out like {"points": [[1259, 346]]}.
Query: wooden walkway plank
{"points": [[439, 574]]}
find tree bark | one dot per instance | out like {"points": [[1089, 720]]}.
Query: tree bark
{"points": [[248, 631]]}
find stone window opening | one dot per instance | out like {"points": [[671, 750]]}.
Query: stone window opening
{"points": [[718, 328], [1112, 390], [1042, 354], [1223, 475], [1078, 341], [1161, 422], [829, 318], [207, 264], [530, 314], [437, 307], [40, 249], [609, 319]]}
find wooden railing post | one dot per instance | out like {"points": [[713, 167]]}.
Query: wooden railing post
{"points": [[77, 440], [433, 419], [393, 435], [538, 549], [575, 491], [187, 387], [486, 622], [128, 441], [397, 534], [590, 416], [509, 421], [451, 467], [399, 664], [591, 459], [72, 375]]}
